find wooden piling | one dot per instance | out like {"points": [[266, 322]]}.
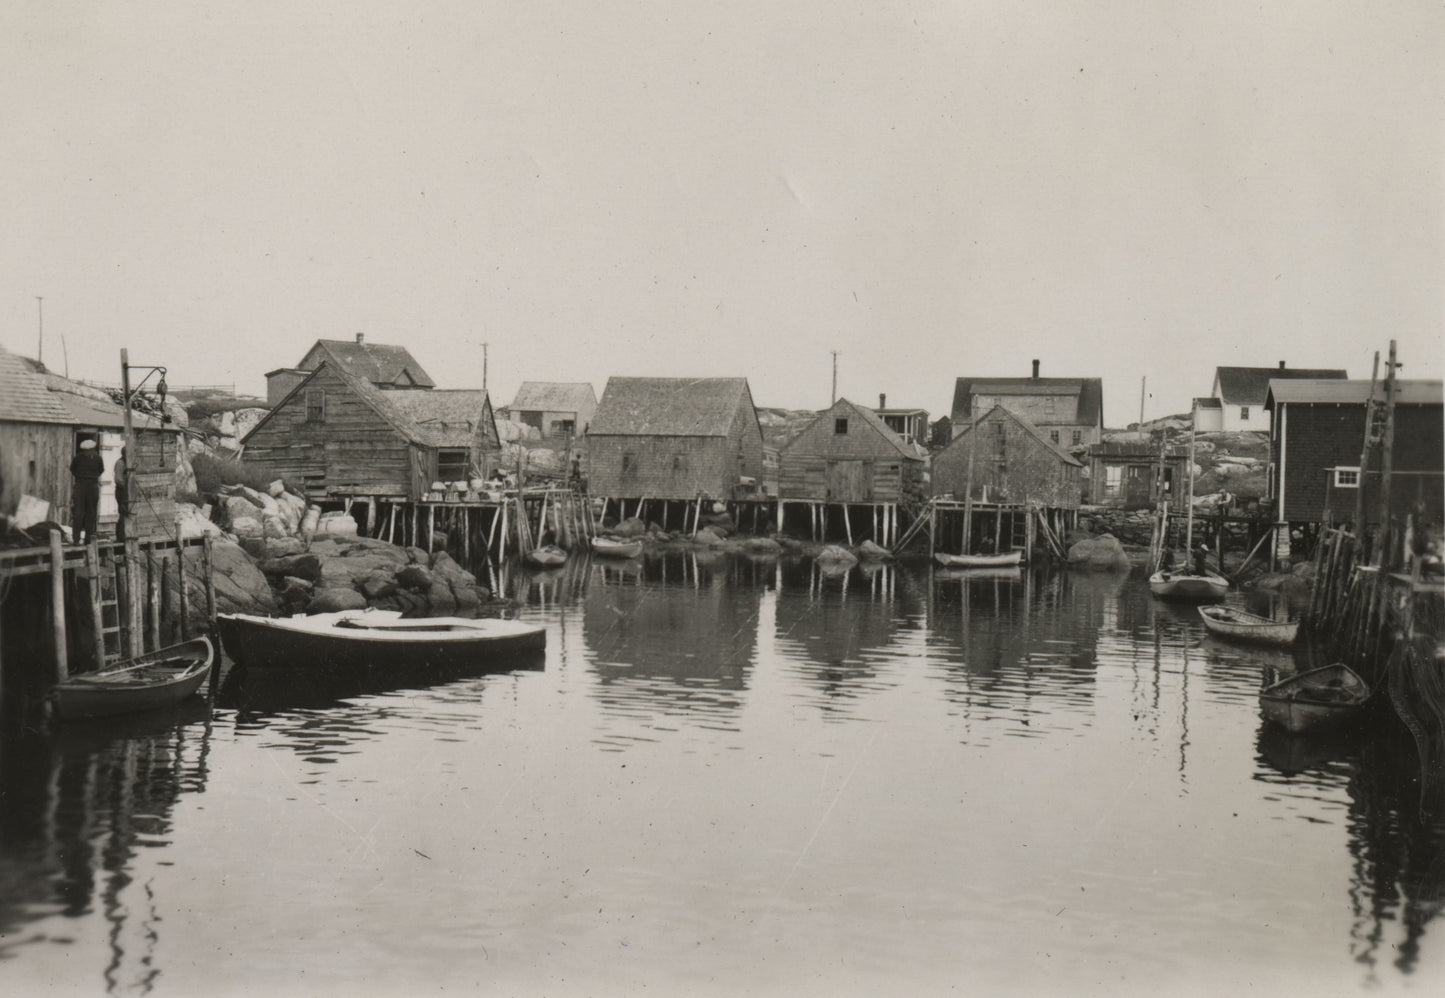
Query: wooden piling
{"points": [[57, 607], [95, 586]]}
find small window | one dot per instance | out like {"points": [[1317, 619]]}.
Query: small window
{"points": [[316, 405], [453, 464], [1054, 436], [1347, 478], [840, 426], [679, 462], [628, 464], [1244, 412], [1078, 437]]}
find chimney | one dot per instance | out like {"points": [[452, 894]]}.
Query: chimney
{"points": [[361, 337], [1036, 369], [1281, 365], [882, 401]]}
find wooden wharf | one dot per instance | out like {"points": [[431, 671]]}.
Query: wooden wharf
{"points": [[959, 526]]}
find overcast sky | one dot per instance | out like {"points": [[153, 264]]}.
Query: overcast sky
{"points": [[933, 189]]}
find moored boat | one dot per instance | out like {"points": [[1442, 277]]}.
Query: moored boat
{"points": [[1005, 560], [1315, 699], [1231, 623], [157, 679], [372, 638], [546, 556], [611, 547], [1188, 586]]}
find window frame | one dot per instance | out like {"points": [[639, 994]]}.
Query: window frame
{"points": [[1343, 470], [315, 405]]}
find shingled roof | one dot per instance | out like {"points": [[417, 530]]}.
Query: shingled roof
{"points": [[869, 418], [554, 396], [1248, 385], [24, 398], [1087, 392], [378, 363], [1033, 430], [1336, 392], [674, 407]]}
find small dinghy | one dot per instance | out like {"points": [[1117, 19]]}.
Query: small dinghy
{"points": [[1231, 623], [372, 638], [1006, 560], [1188, 586], [611, 547], [546, 556], [1315, 699], [157, 679]]}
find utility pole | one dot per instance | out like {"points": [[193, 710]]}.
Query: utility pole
{"points": [[1387, 460], [40, 346], [835, 378], [484, 366], [1143, 381]]}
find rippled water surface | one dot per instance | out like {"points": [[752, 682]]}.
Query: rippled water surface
{"points": [[730, 777]]}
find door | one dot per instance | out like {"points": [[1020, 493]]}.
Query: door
{"points": [[850, 481]]}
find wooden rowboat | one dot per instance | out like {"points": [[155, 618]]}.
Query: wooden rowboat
{"points": [[1315, 699], [1231, 623], [1188, 586], [372, 638], [546, 556], [1006, 560], [610, 547], [157, 679]]}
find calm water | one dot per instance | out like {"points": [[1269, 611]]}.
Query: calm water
{"points": [[730, 777]]}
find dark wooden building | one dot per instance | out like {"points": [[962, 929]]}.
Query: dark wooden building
{"points": [[382, 365], [1069, 412], [1316, 438], [43, 418], [1006, 459], [848, 455], [335, 434], [675, 438], [1136, 474]]}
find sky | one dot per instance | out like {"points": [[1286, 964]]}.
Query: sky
{"points": [[1133, 191]]}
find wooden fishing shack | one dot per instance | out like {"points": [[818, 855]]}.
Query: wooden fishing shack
{"points": [[671, 440], [848, 464]]}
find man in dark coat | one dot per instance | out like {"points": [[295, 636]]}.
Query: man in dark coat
{"points": [[86, 467]]}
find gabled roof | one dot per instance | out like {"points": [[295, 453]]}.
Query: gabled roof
{"points": [[1089, 392], [24, 397], [447, 418], [869, 418], [378, 363], [450, 421], [672, 407], [1247, 385], [1134, 449], [554, 396], [1038, 435], [1335, 392]]}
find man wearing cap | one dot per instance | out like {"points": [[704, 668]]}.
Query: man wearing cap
{"points": [[86, 467]]}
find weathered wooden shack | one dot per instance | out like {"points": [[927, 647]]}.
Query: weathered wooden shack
{"points": [[675, 438], [848, 455], [43, 418], [383, 365], [1136, 474], [556, 409], [337, 435], [1002, 457], [1068, 411], [1316, 440]]}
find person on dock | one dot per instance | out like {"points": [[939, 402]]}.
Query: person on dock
{"points": [[86, 467], [1201, 558], [122, 494]]}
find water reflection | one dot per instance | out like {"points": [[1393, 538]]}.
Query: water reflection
{"points": [[80, 804]]}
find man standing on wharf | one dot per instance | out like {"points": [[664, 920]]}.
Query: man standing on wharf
{"points": [[86, 467]]}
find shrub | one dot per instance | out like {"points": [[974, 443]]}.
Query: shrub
{"points": [[213, 471]]}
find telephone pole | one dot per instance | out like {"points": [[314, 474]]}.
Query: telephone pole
{"points": [[40, 346], [835, 378]]}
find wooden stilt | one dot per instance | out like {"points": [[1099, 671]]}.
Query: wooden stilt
{"points": [[847, 523], [210, 579], [153, 601], [97, 608], [57, 607], [184, 590]]}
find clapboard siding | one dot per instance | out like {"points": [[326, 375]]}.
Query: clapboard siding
{"points": [[847, 454]]}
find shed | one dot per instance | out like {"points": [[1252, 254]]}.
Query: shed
{"points": [[554, 408], [1240, 393], [335, 434], [1316, 439], [1005, 458], [1068, 411], [848, 455], [1136, 474], [675, 438]]}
